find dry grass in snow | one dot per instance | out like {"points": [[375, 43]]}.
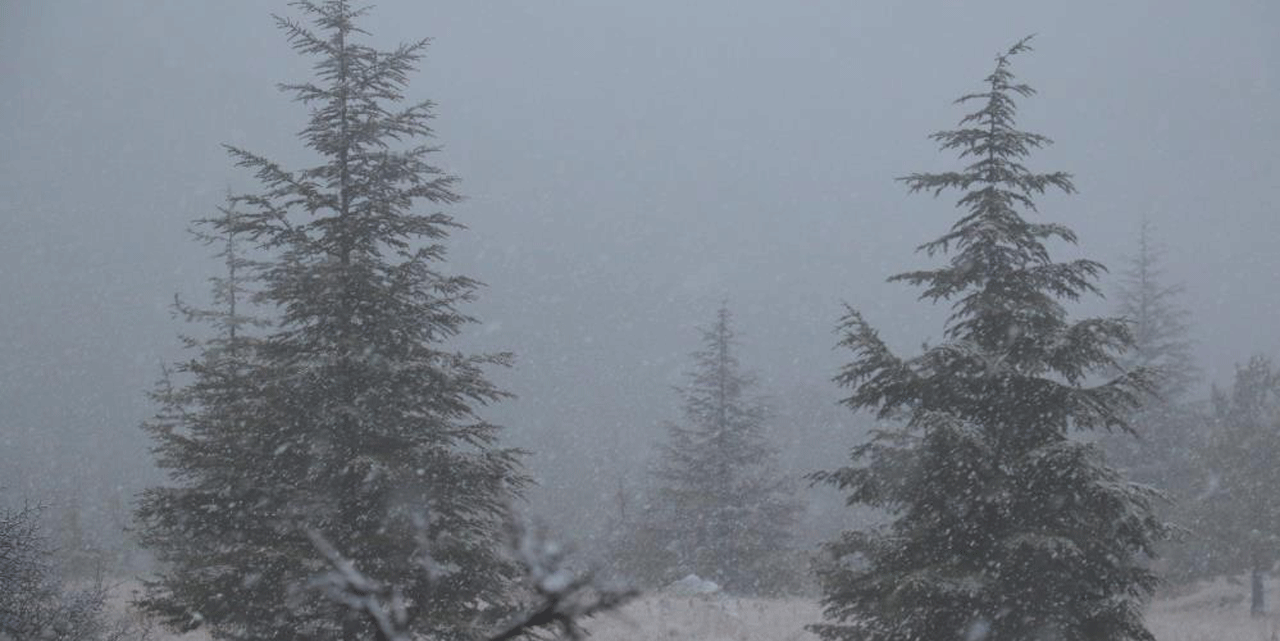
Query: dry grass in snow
{"points": [[1217, 611]]}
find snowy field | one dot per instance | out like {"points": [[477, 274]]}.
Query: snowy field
{"points": [[1214, 612]]}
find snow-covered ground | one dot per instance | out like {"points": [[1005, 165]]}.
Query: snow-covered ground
{"points": [[709, 618], [1217, 611], [1213, 612]]}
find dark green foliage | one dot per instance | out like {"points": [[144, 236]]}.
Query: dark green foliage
{"points": [[1002, 525], [720, 509], [1238, 517], [347, 415]]}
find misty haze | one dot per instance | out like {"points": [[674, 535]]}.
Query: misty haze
{"points": [[756, 320]]}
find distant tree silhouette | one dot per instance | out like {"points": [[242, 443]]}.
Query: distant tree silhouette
{"points": [[1239, 516], [720, 508]]}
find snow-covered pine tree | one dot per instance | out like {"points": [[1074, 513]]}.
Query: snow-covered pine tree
{"points": [[1238, 518], [352, 419], [1002, 525], [720, 508]]}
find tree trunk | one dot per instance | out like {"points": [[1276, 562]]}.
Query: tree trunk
{"points": [[1258, 606], [351, 627]]}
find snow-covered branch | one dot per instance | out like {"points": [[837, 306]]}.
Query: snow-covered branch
{"points": [[565, 597]]}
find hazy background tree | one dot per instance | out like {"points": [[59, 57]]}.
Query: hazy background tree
{"points": [[1167, 430], [350, 416], [1169, 426], [720, 508], [1002, 525], [82, 554], [1237, 520], [1159, 322], [205, 432]]}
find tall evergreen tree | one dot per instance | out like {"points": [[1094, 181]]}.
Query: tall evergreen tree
{"points": [[1165, 427], [1158, 321], [1003, 526], [1170, 430], [720, 509], [1239, 516], [206, 422], [350, 417]]}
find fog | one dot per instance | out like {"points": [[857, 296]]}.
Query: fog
{"points": [[627, 167]]}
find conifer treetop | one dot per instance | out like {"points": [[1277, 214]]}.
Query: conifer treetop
{"points": [[720, 509], [373, 172], [1005, 290], [1159, 323]]}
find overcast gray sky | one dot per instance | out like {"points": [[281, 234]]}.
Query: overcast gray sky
{"points": [[628, 165]]}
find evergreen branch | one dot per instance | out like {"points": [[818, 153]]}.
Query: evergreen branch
{"points": [[881, 380]]}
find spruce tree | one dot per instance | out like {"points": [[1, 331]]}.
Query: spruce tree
{"points": [[1238, 518], [720, 509], [1165, 426], [349, 417], [206, 422], [1002, 526], [1158, 321], [1170, 430]]}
